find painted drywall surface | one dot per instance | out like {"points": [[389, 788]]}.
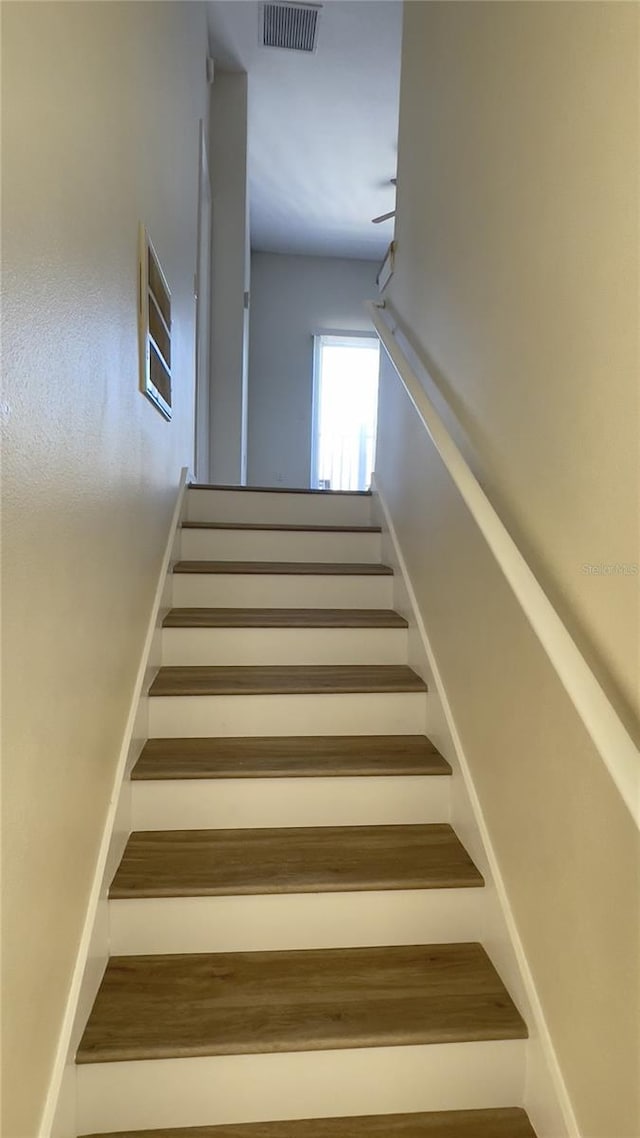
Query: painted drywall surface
{"points": [[101, 104], [567, 848], [323, 131], [230, 268], [292, 298], [517, 273]]}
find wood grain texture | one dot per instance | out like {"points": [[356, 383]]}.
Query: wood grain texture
{"points": [[501, 1123], [323, 859], [282, 618], [287, 568], [281, 526], [285, 679], [290, 756], [161, 1007], [282, 490]]}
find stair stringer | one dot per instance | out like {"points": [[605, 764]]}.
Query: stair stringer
{"points": [[60, 1114], [546, 1098]]}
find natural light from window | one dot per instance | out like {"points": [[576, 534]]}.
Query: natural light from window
{"points": [[345, 411]]}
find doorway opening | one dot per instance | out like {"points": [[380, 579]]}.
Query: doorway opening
{"points": [[345, 409]]}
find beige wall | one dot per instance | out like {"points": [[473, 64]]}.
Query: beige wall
{"points": [[230, 278], [292, 298], [517, 276], [565, 843], [518, 235], [101, 104]]}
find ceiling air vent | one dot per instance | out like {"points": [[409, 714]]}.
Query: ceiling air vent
{"points": [[290, 26]]}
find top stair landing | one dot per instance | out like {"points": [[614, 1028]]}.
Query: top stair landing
{"points": [[278, 506]]}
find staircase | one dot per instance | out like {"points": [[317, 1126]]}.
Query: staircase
{"points": [[294, 924]]}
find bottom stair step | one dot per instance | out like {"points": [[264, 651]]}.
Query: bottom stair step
{"points": [[162, 1007], [501, 1123]]}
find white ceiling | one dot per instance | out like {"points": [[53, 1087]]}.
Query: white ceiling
{"points": [[323, 128]]}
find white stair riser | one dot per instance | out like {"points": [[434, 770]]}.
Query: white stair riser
{"points": [[397, 713], [294, 921], [278, 509], [230, 646], [277, 545], [250, 1088], [257, 590], [214, 804]]}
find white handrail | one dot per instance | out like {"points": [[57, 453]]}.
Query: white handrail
{"points": [[611, 738]]}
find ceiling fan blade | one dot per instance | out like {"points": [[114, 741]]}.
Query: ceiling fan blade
{"points": [[383, 217]]}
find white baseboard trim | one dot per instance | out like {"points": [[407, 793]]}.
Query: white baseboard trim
{"points": [[546, 1097], [58, 1118]]}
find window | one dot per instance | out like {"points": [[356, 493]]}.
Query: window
{"points": [[345, 407]]}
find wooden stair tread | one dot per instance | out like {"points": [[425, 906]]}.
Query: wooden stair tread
{"points": [[287, 568], [282, 618], [160, 1007], [290, 756], [505, 1122], [281, 526], [320, 859], [282, 490], [285, 679]]}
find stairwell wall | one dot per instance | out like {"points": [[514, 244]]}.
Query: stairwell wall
{"points": [[566, 847], [517, 279], [101, 106], [518, 275]]}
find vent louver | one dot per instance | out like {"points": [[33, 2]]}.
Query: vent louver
{"points": [[290, 26]]}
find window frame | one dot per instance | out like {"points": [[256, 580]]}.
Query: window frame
{"points": [[337, 339]]}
